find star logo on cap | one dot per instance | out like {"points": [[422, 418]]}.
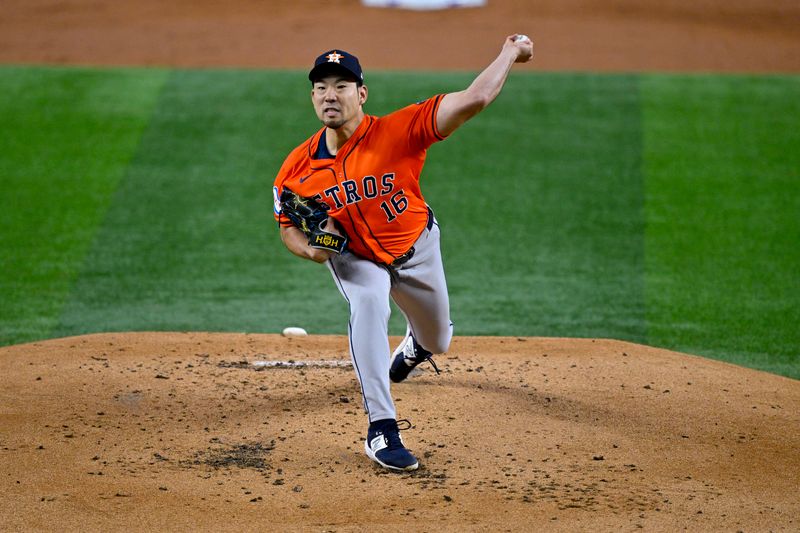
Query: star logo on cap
{"points": [[334, 57]]}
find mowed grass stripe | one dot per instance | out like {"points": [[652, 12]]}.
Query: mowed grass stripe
{"points": [[68, 135], [189, 242], [722, 156]]}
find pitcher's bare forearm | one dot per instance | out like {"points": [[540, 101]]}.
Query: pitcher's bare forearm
{"points": [[458, 107], [297, 243]]}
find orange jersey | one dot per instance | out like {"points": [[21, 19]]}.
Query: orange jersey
{"points": [[371, 186]]}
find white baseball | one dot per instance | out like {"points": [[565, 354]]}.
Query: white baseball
{"points": [[293, 331], [521, 38]]}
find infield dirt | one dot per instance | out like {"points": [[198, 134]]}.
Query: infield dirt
{"points": [[177, 431], [593, 35]]}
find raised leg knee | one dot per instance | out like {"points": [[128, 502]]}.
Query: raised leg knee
{"points": [[435, 342]]}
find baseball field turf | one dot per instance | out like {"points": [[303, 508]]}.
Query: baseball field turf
{"points": [[661, 209]]}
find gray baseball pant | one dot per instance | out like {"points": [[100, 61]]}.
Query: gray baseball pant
{"points": [[419, 289]]}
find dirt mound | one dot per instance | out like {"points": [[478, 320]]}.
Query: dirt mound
{"points": [[183, 431]]}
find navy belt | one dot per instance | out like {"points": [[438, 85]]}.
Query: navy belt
{"points": [[403, 259]]}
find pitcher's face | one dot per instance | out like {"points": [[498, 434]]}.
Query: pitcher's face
{"points": [[337, 100]]}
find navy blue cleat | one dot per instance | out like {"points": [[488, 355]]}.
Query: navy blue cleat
{"points": [[385, 446], [406, 358]]}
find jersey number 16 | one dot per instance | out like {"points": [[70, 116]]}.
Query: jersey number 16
{"points": [[395, 206]]}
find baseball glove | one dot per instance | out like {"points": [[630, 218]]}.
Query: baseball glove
{"points": [[310, 217]]}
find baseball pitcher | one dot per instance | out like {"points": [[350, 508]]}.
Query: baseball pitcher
{"points": [[350, 197]]}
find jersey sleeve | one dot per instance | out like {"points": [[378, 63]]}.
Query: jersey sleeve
{"points": [[289, 167], [419, 122]]}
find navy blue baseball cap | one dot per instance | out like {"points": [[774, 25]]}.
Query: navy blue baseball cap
{"points": [[336, 61]]}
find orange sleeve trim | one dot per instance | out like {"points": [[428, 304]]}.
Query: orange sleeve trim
{"points": [[434, 127]]}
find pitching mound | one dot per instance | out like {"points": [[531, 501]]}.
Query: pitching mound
{"points": [[186, 431]]}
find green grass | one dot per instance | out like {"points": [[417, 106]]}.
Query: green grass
{"points": [[67, 137], [722, 159], [652, 208], [542, 214]]}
